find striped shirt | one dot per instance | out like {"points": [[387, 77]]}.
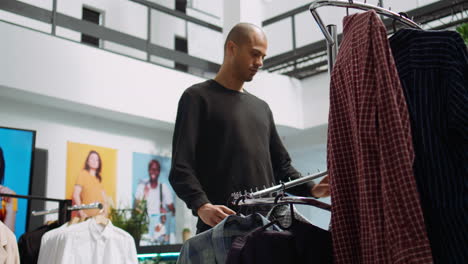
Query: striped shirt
{"points": [[433, 69]]}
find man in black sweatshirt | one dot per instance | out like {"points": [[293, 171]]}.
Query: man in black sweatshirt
{"points": [[225, 138]]}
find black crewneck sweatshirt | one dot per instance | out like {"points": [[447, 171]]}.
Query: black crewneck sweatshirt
{"points": [[226, 141]]}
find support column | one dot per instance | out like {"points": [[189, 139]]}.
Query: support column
{"points": [[235, 11]]}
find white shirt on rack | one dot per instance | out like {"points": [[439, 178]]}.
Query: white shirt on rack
{"points": [[87, 242], [49, 244], [8, 247]]}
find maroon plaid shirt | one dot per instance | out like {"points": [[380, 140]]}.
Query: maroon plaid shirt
{"points": [[376, 213]]}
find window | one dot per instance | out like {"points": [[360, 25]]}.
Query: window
{"points": [[93, 17], [181, 45], [181, 5]]}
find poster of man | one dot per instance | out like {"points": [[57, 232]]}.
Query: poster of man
{"points": [[150, 184], [91, 177]]}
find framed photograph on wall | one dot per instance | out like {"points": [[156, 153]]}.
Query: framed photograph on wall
{"points": [[151, 185], [91, 177], [16, 160]]}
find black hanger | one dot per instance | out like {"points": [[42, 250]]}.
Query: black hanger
{"points": [[291, 206], [274, 222], [277, 222], [347, 10], [402, 14], [241, 198]]}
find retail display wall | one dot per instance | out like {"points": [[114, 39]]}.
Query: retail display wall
{"points": [[57, 127]]}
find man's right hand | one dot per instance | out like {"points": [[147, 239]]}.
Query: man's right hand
{"points": [[213, 214]]}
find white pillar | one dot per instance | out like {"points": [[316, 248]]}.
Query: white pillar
{"points": [[236, 11]]}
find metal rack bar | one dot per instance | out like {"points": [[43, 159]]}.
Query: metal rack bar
{"points": [[332, 48], [69, 208], [285, 185], [64, 214], [31, 197], [356, 5], [285, 200]]}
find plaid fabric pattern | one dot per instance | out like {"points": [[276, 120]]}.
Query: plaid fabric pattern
{"points": [[282, 214], [376, 213], [212, 246]]}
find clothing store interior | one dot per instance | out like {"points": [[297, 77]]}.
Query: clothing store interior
{"points": [[233, 131]]}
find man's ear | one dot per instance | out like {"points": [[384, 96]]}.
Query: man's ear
{"points": [[231, 48]]}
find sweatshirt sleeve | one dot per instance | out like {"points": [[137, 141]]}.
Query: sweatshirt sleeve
{"points": [[183, 177], [282, 166]]}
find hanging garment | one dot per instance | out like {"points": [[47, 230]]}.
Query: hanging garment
{"points": [[212, 246], [49, 243], [282, 214], [8, 247], [302, 243], [376, 213], [433, 69], [30, 243], [88, 242]]}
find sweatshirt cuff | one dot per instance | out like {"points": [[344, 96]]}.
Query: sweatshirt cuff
{"points": [[302, 190], [197, 203], [309, 186]]}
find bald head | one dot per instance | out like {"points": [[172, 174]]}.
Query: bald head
{"points": [[242, 33], [244, 51]]}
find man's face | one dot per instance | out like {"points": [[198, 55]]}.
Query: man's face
{"points": [[248, 57], [154, 171]]}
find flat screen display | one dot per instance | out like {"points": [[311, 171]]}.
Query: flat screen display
{"points": [[16, 159]]}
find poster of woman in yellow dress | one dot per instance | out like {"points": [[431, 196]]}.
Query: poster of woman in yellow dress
{"points": [[91, 177]]}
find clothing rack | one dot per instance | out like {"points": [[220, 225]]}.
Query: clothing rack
{"points": [[70, 208], [330, 30], [64, 204], [279, 187], [284, 200]]}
